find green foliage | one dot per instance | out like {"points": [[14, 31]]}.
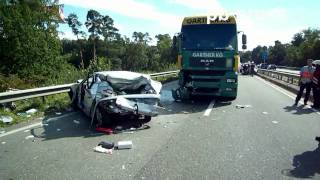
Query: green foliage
{"points": [[304, 45], [28, 40], [245, 56], [54, 103], [33, 56], [277, 53]]}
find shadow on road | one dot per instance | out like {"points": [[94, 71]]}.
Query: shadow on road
{"points": [[306, 165], [78, 125], [298, 110]]}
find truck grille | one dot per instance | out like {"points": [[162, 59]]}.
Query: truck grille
{"points": [[207, 62], [207, 73]]}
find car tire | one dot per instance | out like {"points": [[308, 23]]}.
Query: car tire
{"points": [[100, 118], [146, 119]]}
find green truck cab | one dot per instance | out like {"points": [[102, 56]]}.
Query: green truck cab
{"points": [[208, 57]]}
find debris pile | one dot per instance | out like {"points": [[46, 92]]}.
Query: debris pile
{"points": [[6, 119], [107, 148]]}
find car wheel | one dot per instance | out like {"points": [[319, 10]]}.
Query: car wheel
{"points": [[98, 118], [102, 118], [146, 119]]}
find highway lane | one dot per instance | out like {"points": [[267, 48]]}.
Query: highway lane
{"points": [[270, 139]]}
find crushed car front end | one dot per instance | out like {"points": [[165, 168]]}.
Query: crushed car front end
{"points": [[123, 93]]}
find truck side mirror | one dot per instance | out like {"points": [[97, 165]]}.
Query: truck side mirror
{"points": [[244, 39]]}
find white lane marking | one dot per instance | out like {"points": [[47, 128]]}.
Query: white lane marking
{"points": [[209, 108], [34, 125], [289, 94]]}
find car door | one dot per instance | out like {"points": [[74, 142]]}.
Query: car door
{"points": [[87, 96], [90, 93]]}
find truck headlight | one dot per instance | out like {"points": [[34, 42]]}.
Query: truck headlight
{"points": [[229, 63], [231, 80]]}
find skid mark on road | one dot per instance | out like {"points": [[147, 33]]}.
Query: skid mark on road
{"points": [[209, 108]]}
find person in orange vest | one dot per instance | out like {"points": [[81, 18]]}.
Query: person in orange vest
{"points": [[305, 81]]}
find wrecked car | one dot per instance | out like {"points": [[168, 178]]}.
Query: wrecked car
{"points": [[104, 96]]}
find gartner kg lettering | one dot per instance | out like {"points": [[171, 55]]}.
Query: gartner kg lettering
{"points": [[208, 54]]}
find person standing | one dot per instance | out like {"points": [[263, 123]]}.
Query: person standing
{"points": [[305, 81], [316, 85], [252, 65]]}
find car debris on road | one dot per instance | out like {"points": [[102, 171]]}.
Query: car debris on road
{"points": [[32, 111], [106, 145], [102, 150], [29, 137], [123, 145], [239, 106], [6, 119]]}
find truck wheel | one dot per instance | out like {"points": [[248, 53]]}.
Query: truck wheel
{"points": [[230, 98]]}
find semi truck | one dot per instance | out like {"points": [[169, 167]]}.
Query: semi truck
{"points": [[208, 57]]}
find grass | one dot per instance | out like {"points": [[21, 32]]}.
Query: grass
{"points": [[164, 79], [53, 103]]}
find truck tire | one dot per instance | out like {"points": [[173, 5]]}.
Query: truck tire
{"points": [[230, 98]]}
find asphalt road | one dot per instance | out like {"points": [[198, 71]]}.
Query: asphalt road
{"points": [[267, 139]]}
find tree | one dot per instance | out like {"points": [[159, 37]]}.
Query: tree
{"points": [[297, 39], [245, 56], [139, 37], [164, 43], [75, 25], [94, 25], [109, 32], [257, 54], [29, 43], [277, 53]]}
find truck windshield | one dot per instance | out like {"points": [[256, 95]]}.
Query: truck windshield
{"points": [[209, 36]]}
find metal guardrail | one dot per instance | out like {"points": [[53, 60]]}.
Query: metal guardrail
{"points": [[290, 78], [164, 73], [291, 68], [12, 96]]}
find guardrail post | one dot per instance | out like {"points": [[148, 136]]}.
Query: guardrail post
{"points": [[43, 99]]}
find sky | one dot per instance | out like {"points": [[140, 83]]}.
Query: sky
{"points": [[263, 21]]}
